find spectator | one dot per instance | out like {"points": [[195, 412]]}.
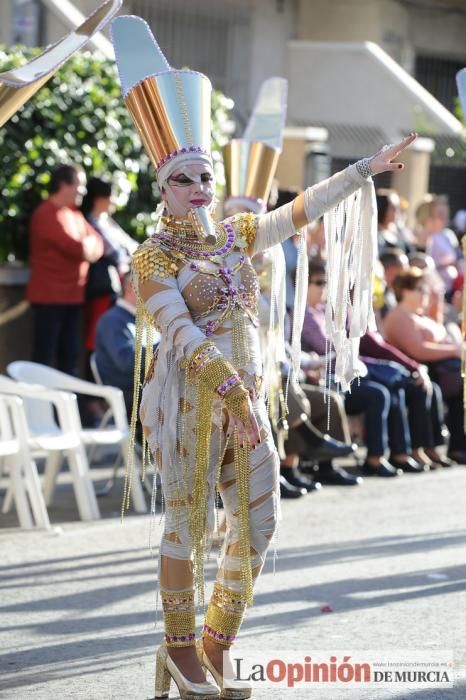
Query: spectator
{"points": [[393, 260], [427, 341], [423, 398], [441, 242], [103, 282], [62, 244], [436, 305], [384, 409], [387, 235], [115, 343]]}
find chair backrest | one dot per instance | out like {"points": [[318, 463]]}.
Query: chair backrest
{"points": [[40, 414], [35, 373], [13, 427], [95, 369], [6, 427]]}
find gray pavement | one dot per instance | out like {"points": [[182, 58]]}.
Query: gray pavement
{"points": [[77, 605]]}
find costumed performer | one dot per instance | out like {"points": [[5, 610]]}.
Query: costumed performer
{"points": [[202, 406]]}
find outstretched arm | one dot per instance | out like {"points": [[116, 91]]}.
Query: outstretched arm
{"points": [[315, 201]]}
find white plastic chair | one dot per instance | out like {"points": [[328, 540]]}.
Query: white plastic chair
{"points": [[54, 438], [95, 369], [24, 484], [118, 434]]}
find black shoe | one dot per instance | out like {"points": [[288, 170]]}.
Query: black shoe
{"points": [[287, 490], [458, 456], [384, 468], [409, 465], [444, 462], [328, 474], [322, 446], [293, 477]]}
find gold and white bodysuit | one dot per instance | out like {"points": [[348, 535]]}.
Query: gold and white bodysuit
{"points": [[192, 292]]}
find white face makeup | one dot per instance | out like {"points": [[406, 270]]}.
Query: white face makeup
{"points": [[190, 186]]}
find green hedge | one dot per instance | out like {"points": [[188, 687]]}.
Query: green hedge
{"points": [[80, 117]]}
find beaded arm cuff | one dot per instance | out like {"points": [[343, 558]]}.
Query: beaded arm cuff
{"points": [[232, 381], [214, 372], [364, 168]]}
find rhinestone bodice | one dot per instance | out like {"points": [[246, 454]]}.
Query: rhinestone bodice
{"points": [[216, 281], [236, 288]]}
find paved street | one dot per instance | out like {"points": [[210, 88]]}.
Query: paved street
{"points": [[77, 605]]}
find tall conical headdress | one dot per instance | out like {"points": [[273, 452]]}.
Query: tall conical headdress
{"points": [[18, 85], [170, 108], [251, 162]]}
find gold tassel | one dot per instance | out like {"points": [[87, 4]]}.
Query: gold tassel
{"points": [[197, 514], [140, 322], [241, 459], [241, 354]]}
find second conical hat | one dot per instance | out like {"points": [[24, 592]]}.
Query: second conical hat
{"points": [[251, 161]]}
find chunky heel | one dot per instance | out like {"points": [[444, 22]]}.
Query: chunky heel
{"points": [[162, 674], [229, 690], [166, 670]]}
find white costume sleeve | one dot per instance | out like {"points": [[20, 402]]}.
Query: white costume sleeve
{"points": [[347, 202], [164, 302], [275, 226]]}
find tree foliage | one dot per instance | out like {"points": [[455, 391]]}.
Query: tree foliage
{"points": [[79, 117]]}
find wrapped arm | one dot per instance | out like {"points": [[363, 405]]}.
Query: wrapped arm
{"points": [[164, 302], [313, 203]]}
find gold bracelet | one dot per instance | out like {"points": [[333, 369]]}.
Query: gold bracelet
{"points": [[237, 402], [215, 372]]}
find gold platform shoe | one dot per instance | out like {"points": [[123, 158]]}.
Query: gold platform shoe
{"points": [[229, 689], [166, 670]]}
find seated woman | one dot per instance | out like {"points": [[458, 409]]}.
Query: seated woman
{"points": [[423, 398], [384, 409], [427, 341]]}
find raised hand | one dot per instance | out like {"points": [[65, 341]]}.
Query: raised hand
{"points": [[382, 160]]}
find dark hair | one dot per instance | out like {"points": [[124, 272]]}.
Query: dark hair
{"points": [[383, 204], [407, 279], [95, 188], [391, 256], [62, 174], [285, 196], [316, 267]]}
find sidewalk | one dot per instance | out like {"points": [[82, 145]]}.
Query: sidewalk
{"points": [[77, 605]]}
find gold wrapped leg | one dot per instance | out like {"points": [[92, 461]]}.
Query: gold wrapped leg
{"points": [[223, 620], [179, 615], [224, 615], [180, 631]]}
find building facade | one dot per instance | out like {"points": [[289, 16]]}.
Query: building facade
{"points": [[239, 43]]}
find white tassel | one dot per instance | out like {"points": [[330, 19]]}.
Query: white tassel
{"points": [[299, 310], [351, 245]]}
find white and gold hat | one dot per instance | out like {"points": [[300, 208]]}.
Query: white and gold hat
{"points": [[250, 162], [170, 108], [17, 86]]}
